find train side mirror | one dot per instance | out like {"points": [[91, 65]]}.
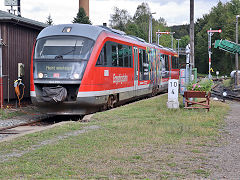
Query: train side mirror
{"points": [[21, 70]]}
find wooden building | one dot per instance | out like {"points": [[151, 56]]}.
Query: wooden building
{"points": [[17, 35]]}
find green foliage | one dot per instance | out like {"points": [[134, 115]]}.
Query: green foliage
{"points": [[203, 85], [49, 20], [180, 31], [81, 17], [138, 25], [222, 16], [185, 40], [119, 19]]}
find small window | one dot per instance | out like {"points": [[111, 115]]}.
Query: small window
{"points": [[102, 58]]}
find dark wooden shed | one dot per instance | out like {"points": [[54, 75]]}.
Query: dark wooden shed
{"points": [[17, 36]]}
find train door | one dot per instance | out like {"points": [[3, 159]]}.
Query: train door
{"points": [[135, 71]]}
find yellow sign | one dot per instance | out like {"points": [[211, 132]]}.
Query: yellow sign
{"points": [[211, 70]]}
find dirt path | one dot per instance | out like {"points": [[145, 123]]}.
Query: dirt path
{"points": [[226, 157]]}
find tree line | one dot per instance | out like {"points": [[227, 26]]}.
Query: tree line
{"points": [[222, 16]]}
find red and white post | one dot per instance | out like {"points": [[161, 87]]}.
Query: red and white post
{"points": [[210, 34]]}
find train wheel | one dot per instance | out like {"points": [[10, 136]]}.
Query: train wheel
{"points": [[110, 102]]}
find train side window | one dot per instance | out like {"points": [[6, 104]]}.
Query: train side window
{"points": [[102, 58], [166, 63], [120, 55], [125, 55], [114, 56], [174, 62], [130, 57], [145, 66], [140, 64]]}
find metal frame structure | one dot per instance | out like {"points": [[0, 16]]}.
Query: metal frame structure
{"points": [[210, 34]]}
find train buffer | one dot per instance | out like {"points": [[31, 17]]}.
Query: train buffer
{"points": [[228, 46]]}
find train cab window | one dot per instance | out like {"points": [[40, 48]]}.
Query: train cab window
{"points": [[102, 59], [63, 47]]}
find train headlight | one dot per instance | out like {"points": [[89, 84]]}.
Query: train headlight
{"points": [[40, 75], [76, 76]]}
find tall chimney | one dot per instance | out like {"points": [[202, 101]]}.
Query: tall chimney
{"points": [[85, 5]]}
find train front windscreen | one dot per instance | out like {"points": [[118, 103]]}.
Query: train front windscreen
{"points": [[61, 57]]}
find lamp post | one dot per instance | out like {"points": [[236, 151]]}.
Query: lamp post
{"points": [[236, 56], [178, 46], [150, 28]]}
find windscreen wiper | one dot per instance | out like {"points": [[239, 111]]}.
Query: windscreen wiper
{"points": [[61, 55]]}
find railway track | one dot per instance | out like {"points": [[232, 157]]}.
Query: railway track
{"points": [[22, 128], [218, 90]]}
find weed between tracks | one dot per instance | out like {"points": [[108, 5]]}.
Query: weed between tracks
{"points": [[140, 140]]}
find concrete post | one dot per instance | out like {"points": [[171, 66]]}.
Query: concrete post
{"points": [[85, 5]]}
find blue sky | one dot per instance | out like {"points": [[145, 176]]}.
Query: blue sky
{"points": [[175, 12]]}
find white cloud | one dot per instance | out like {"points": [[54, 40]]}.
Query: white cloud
{"points": [[174, 12]]}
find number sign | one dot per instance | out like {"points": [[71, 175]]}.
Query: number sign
{"points": [[173, 90]]}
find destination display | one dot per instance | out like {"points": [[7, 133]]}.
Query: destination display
{"points": [[60, 70]]}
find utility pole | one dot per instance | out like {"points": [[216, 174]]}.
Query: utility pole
{"points": [[192, 33], [236, 56]]}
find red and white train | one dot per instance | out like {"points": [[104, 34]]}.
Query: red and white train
{"points": [[77, 69]]}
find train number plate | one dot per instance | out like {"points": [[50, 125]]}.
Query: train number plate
{"points": [[56, 75]]}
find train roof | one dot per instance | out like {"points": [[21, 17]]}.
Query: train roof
{"points": [[91, 32]]}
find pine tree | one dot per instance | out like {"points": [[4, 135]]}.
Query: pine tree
{"points": [[49, 20], [82, 17]]}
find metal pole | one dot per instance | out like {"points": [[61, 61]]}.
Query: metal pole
{"points": [[192, 33], [209, 52], [149, 29], [178, 46], [172, 41], [236, 56], [1, 73]]}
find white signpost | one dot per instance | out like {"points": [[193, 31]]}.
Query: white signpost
{"points": [[173, 87]]}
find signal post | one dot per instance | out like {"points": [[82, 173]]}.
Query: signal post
{"points": [[210, 34]]}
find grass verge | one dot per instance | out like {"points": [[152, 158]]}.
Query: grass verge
{"points": [[143, 140]]}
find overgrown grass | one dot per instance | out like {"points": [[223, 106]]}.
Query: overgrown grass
{"points": [[227, 83], [6, 115], [127, 146]]}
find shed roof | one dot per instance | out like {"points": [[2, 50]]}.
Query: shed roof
{"points": [[8, 17]]}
